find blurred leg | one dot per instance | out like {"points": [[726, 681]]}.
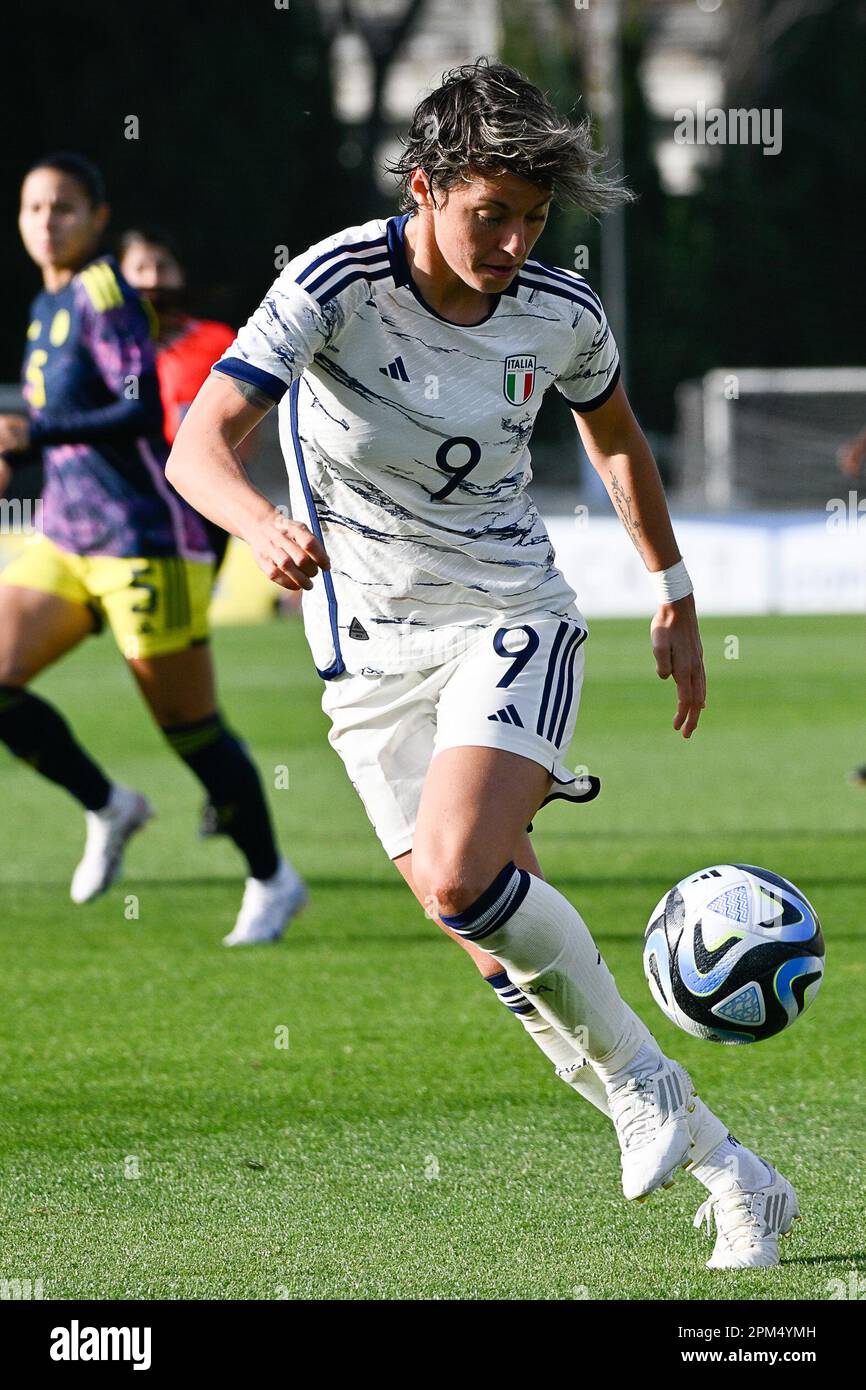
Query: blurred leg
{"points": [[180, 689], [36, 629]]}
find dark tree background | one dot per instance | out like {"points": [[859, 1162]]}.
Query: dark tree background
{"points": [[239, 151], [781, 263], [237, 147], [764, 265]]}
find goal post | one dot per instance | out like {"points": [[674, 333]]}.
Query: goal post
{"points": [[755, 438]]}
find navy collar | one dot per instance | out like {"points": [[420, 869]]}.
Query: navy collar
{"points": [[402, 275]]}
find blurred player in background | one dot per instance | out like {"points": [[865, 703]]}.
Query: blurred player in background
{"points": [[186, 349], [410, 356], [118, 545]]}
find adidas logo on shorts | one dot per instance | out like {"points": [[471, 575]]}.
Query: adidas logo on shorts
{"points": [[508, 715]]}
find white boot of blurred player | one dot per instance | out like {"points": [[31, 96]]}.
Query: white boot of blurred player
{"points": [[108, 831], [268, 906]]}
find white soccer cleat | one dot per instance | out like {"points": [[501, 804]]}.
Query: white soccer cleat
{"points": [[268, 906], [650, 1113], [108, 831], [749, 1224]]}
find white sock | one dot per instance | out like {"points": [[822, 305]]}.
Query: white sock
{"points": [[560, 1051], [729, 1165], [580, 1076], [572, 1067], [646, 1060], [544, 945], [562, 932]]}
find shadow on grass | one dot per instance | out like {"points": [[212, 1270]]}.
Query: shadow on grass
{"points": [[846, 1260], [395, 884]]}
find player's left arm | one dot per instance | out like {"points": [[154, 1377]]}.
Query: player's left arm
{"points": [[116, 334], [619, 453]]}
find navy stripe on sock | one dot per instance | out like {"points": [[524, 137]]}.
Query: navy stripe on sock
{"points": [[498, 981], [496, 905], [509, 994]]}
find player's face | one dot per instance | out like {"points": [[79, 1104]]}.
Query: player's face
{"points": [[148, 266], [59, 225], [486, 229]]}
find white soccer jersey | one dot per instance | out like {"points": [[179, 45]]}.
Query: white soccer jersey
{"points": [[407, 443]]}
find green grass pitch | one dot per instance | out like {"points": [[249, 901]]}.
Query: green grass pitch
{"points": [[156, 1142]]}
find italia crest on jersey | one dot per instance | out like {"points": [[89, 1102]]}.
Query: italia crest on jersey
{"points": [[518, 380]]}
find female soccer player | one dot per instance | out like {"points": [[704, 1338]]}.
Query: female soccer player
{"points": [[118, 545], [186, 349], [410, 357]]}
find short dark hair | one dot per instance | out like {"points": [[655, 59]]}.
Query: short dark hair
{"points": [[78, 167], [151, 235], [487, 118]]}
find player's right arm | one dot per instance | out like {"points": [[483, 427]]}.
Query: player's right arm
{"points": [[267, 357], [205, 468]]}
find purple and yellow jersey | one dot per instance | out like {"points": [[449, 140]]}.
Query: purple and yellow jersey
{"points": [[91, 387]]}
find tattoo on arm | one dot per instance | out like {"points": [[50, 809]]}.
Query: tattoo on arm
{"points": [[622, 502], [251, 393]]}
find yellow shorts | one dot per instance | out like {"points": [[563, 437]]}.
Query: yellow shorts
{"points": [[153, 607]]}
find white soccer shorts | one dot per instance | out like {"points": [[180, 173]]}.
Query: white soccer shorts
{"points": [[515, 687]]}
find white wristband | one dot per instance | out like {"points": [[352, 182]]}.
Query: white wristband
{"points": [[672, 583]]}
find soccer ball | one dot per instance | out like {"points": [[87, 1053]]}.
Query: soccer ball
{"points": [[733, 954]]}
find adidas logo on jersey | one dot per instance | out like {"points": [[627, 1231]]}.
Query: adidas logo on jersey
{"points": [[358, 631], [508, 715], [396, 369]]}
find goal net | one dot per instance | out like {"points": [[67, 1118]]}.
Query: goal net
{"points": [[767, 439]]}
